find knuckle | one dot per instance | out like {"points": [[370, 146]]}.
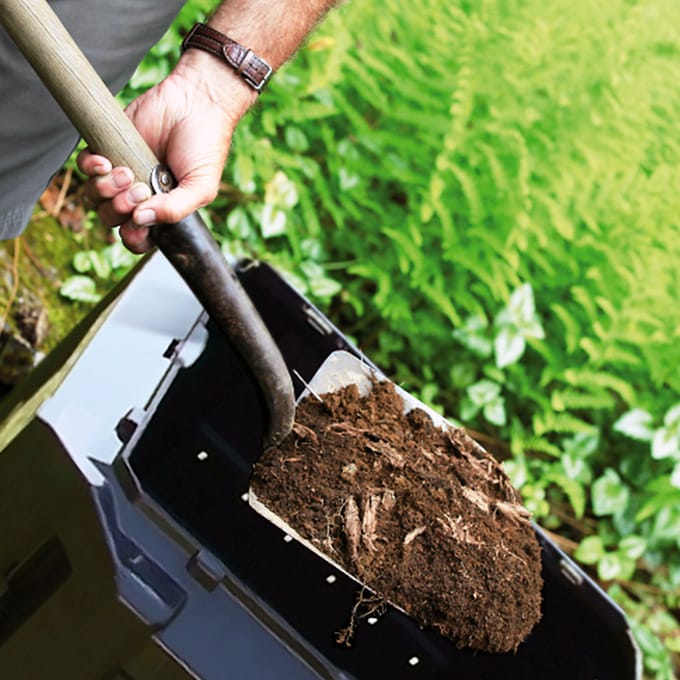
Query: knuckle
{"points": [[121, 205], [109, 215]]}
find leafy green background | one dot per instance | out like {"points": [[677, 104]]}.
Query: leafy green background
{"points": [[485, 195]]}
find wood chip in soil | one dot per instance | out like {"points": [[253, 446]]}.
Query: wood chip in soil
{"points": [[425, 518]]}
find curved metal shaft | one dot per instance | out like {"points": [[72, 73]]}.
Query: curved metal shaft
{"points": [[193, 252]]}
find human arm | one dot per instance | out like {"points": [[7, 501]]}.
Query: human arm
{"points": [[188, 119]]}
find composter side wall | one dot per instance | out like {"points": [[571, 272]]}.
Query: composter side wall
{"points": [[61, 614]]}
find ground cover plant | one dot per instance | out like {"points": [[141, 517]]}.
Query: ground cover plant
{"points": [[486, 196]]}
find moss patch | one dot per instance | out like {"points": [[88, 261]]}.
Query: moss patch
{"points": [[32, 269]]}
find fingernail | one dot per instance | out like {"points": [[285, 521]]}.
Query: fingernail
{"points": [[145, 218], [121, 178], [139, 193], [102, 169]]}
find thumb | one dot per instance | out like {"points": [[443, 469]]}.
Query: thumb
{"points": [[191, 194]]}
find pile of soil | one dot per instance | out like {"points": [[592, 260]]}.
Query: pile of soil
{"points": [[425, 518]]}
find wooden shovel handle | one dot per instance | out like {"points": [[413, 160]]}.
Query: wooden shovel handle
{"points": [[68, 75], [86, 100]]}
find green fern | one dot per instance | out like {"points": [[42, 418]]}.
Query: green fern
{"points": [[455, 151], [561, 423]]}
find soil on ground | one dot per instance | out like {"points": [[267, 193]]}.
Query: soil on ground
{"points": [[425, 518]]}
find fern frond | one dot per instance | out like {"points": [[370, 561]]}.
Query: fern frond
{"points": [[562, 423], [467, 184], [565, 400], [586, 378]]}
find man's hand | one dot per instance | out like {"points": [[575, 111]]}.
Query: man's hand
{"points": [[188, 121], [189, 118]]}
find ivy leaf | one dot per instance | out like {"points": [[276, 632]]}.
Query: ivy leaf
{"points": [[296, 139], [517, 322], [609, 494], [468, 410], [272, 221], [238, 223], [494, 412], [672, 418], [320, 284], [633, 547], [535, 501], [244, 173], [476, 343], [675, 477], [348, 180], [666, 527], [119, 257], [281, 192], [311, 248], [462, 374], [609, 567], [516, 469], [82, 262], [324, 287], [80, 289], [614, 566], [520, 309], [665, 444], [509, 346], [100, 264], [635, 424], [475, 324], [532, 329], [581, 445], [483, 392], [576, 468], [590, 550], [472, 334]]}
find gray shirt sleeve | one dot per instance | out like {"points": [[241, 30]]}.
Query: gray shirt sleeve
{"points": [[35, 136]]}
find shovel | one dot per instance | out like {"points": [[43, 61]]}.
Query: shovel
{"points": [[188, 245]]}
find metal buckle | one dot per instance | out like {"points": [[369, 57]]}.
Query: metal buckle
{"points": [[251, 62], [259, 86]]}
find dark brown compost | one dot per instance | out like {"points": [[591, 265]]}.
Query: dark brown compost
{"points": [[425, 518]]}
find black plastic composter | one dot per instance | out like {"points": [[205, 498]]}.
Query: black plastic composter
{"points": [[128, 551]]}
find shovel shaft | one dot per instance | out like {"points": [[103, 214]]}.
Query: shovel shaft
{"points": [[88, 103]]}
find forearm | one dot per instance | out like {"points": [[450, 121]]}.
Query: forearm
{"points": [[273, 29]]}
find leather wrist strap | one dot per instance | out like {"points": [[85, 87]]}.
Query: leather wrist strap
{"points": [[255, 71]]}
